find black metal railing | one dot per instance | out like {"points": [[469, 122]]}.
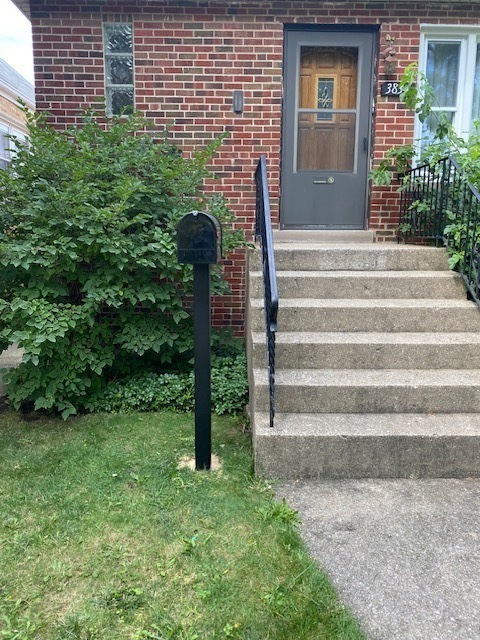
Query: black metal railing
{"points": [[439, 203], [263, 231]]}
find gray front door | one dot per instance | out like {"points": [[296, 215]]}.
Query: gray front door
{"points": [[326, 128]]}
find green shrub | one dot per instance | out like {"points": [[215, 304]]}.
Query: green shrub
{"points": [[175, 391], [89, 279]]}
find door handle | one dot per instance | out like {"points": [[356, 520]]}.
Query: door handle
{"points": [[365, 145]]}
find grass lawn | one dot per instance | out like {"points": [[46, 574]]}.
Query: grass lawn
{"points": [[103, 537]]}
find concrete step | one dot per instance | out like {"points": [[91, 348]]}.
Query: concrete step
{"points": [[368, 391], [341, 446], [363, 284], [362, 350], [291, 256], [404, 315], [322, 235]]}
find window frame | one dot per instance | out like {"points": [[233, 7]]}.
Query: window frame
{"points": [[108, 55], [468, 37]]}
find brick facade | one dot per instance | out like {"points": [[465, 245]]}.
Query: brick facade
{"points": [[189, 57]]}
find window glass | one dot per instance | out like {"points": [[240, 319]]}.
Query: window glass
{"points": [[442, 71], [476, 88], [119, 78]]}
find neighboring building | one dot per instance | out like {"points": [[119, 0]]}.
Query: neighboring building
{"points": [[309, 84], [12, 119]]}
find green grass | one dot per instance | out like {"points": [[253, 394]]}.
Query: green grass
{"points": [[103, 537]]}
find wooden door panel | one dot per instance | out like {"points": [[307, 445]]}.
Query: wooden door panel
{"points": [[326, 146]]}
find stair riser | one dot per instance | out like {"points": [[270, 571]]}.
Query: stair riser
{"points": [[349, 288], [333, 259], [371, 319], [371, 399], [343, 457], [370, 356]]}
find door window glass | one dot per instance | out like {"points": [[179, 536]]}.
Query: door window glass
{"points": [[327, 109]]}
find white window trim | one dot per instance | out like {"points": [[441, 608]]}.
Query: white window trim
{"points": [[468, 36]]}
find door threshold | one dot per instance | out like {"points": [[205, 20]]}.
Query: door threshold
{"points": [[322, 235]]}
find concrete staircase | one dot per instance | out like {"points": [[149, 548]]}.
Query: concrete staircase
{"points": [[378, 364]]}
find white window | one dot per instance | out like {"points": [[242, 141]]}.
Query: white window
{"points": [[450, 58], [119, 83], [4, 146], [8, 146]]}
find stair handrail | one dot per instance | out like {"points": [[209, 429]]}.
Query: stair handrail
{"points": [[263, 232], [438, 202]]}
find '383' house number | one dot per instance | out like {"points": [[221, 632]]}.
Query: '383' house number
{"points": [[390, 89]]}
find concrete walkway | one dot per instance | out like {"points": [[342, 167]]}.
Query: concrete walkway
{"points": [[9, 358], [403, 554]]}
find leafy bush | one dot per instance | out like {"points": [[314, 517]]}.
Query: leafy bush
{"points": [[89, 279], [175, 391]]}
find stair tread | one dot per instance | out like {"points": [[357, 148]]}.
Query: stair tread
{"points": [[362, 274], [369, 302], [359, 337], [377, 247], [373, 424], [372, 378]]}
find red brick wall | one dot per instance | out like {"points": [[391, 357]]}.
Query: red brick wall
{"points": [[189, 57]]}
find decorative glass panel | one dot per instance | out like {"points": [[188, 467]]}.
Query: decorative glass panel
{"points": [[325, 90], [119, 76], [120, 70], [120, 100], [118, 38]]}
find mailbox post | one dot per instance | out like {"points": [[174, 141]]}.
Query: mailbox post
{"points": [[199, 242]]}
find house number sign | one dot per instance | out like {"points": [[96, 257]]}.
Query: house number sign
{"points": [[390, 89]]}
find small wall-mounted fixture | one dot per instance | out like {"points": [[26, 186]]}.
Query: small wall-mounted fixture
{"points": [[390, 56], [237, 102], [390, 65]]}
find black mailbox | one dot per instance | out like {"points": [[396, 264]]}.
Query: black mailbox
{"points": [[199, 239]]}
